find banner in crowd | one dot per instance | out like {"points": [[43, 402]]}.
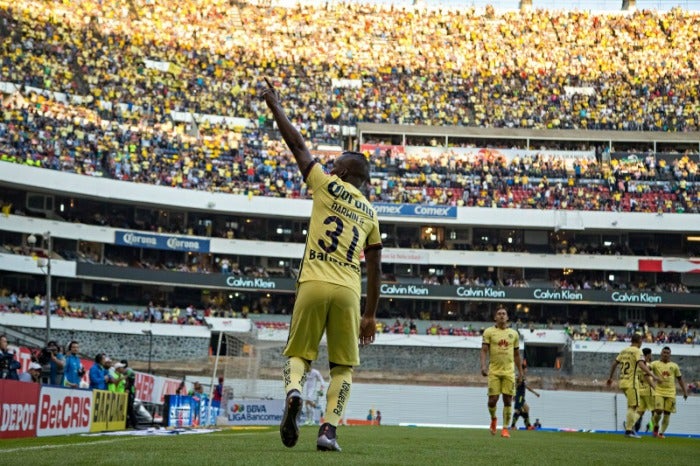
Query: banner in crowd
{"points": [[541, 295], [254, 412], [476, 153], [389, 150], [669, 265], [19, 410], [415, 210], [63, 411], [165, 242], [401, 290]]}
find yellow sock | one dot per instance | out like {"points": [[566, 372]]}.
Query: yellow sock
{"points": [[656, 418], [492, 412], [338, 394], [632, 416], [507, 410], [664, 422], [294, 374]]}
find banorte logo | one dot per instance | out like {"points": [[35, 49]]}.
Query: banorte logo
{"points": [[237, 408]]}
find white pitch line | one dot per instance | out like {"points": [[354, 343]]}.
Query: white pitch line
{"points": [[50, 447]]}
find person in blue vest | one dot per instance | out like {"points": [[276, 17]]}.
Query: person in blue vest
{"points": [[73, 371], [99, 375]]}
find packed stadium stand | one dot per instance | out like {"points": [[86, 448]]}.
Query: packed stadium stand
{"points": [[546, 159]]}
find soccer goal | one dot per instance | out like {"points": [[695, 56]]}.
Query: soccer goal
{"points": [[244, 362]]}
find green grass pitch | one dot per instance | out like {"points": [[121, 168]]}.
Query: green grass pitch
{"points": [[385, 445]]}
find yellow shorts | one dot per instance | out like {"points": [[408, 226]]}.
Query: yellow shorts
{"points": [[632, 396], [646, 403], [320, 307], [501, 384], [665, 403]]}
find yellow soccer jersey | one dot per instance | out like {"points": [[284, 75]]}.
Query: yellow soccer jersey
{"points": [[668, 372], [501, 343], [643, 387], [343, 224], [628, 360]]}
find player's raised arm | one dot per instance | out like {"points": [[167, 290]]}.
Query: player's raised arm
{"points": [[290, 134]]}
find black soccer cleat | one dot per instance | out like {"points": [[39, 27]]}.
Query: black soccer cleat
{"points": [[289, 428], [326, 439]]}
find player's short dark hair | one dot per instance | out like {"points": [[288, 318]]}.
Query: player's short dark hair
{"points": [[636, 338], [363, 163], [666, 348], [646, 351]]}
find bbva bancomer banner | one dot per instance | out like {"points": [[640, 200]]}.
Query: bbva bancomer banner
{"points": [[156, 241]]}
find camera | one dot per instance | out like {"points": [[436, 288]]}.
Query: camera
{"points": [[45, 355]]}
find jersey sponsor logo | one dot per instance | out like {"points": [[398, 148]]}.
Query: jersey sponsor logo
{"points": [[342, 398], [338, 191], [322, 256], [503, 343]]}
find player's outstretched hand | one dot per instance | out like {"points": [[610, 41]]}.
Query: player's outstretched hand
{"points": [[368, 327], [270, 94]]}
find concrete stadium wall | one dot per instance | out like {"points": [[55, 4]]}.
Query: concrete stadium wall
{"points": [[374, 358], [126, 346]]}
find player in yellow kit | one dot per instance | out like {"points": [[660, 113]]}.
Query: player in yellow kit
{"points": [[665, 394], [501, 345], [646, 394], [343, 224], [631, 362]]}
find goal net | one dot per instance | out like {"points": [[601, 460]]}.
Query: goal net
{"points": [[244, 364]]}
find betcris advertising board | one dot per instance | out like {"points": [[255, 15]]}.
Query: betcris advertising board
{"points": [[63, 411], [415, 210], [166, 242], [250, 412]]}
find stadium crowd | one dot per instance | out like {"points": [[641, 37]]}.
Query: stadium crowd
{"points": [[122, 126], [542, 69]]}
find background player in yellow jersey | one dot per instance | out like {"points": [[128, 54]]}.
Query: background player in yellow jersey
{"points": [[631, 362], [343, 223], [665, 393], [501, 345], [646, 394]]}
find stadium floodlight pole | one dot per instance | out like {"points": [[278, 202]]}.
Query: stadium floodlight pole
{"points": [[150, 347], [31, 239], [213, 377]]}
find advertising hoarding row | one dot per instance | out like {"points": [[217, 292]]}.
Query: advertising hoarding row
{"points": [[33, 410]]}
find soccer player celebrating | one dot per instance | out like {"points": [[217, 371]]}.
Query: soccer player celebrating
{"points": [[646, 394], [501, 345], [342, 224], [631, 361], [665, 394]]}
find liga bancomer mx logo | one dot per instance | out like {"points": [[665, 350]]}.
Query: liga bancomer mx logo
{"points": [[237, 408]]}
